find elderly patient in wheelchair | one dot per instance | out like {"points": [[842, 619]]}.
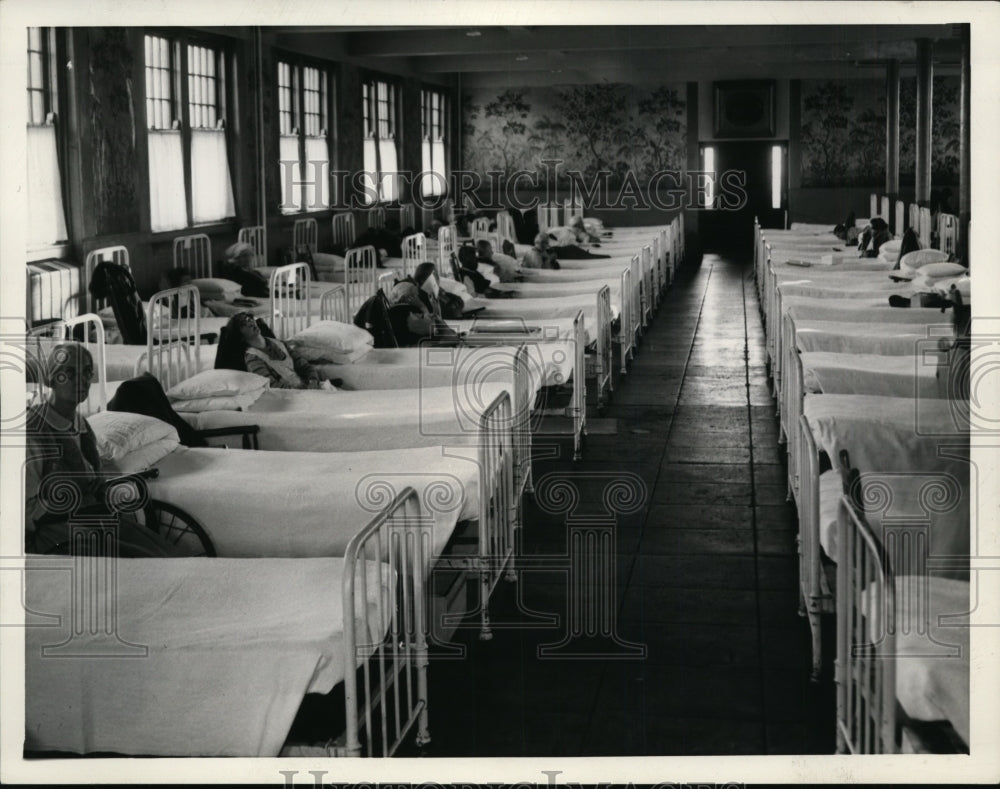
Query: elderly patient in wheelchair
{"points": [[62, 465]]}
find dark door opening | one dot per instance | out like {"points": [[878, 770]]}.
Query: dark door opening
{"points": [[750, 181]]}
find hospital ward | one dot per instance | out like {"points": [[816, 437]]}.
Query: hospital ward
{"points": [[449, 391]]}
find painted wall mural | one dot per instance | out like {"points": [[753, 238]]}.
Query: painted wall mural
{"points": [[614, 128], [843, 132]]}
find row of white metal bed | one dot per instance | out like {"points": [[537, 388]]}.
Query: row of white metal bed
{"points": [[857, 381], [479, 474]]}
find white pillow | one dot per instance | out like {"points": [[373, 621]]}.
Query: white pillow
{"points": [[328, 355], [119, 433], [217, 383], [455, 288], [941, 270], [144, 457], [239, 402], [891, 247], [327, 336], [963, 284], [912, 261], [215, 288]]}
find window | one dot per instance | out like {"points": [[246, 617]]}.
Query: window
{"points": [[189, 178], [46, 218], [709, 167], [777, 152], [378, 108], [304, 103], [434, 126]]}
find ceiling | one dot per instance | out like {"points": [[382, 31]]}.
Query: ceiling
{"points": [[540, 55]]}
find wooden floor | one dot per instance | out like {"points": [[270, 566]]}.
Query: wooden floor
{"points": [[707, 654]]}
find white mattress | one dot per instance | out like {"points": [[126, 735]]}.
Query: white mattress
{"points": [[574, 275], [932, 663], [821, 262], [319, 421], [548, 308], [233, 646], [912, 459], [296, 504], [121, 359], [544, 290], [551, 363], [886, 376], [617, 262], [873, 310], [843, 287], [885, 339]]}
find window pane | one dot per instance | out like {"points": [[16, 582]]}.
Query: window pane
{"points": [[290, 173], [159, 96], [203, 93]]}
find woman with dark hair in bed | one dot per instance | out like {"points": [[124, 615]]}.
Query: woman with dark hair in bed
{"points": [[246, 346], [875, 235], [62, 453]]}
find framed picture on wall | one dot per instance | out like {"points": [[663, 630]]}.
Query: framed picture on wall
{"points": [[744, 109]]}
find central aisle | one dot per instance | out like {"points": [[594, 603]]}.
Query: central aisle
{"points": [[709, 656]]}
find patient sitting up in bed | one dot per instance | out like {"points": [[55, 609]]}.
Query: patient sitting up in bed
{"points": [[415, 308], [239, 267], [875, 235], [540, 256], [62, 452], [266, 356], [505, 266]]}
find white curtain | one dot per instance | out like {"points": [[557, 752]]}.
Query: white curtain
{"points": [[370, 172], [167, 205], [211, 186], [389, 187], [317, 174], [433, 162], [46, 220], [290, 174]]}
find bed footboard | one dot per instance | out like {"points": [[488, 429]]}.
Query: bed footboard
{"points": [[387, 697]]}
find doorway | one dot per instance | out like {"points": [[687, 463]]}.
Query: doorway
{"points": [[749, 179]]}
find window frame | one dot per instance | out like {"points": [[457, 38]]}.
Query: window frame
{"points": [[426, 130], [54, 88], [327, 105], [371, 125], [224, 49]]}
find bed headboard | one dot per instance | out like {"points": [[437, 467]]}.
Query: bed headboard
{"points": [[572, 210], [361, 275], [873, 204], [548, 216], [413, 252], [256, 237], [407, 216], [53, 290], [885, 208], [173, 335], [291, 299], [333, 305], [194, 253], [117, 255], [376, 217], [505, 229], [305, 233], [92, 338], [446, 246], [899, 220], [344, 230], [948, 233], [925, 227]]}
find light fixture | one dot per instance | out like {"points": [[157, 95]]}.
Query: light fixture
{"points": [[521, 58], [473, 33]]}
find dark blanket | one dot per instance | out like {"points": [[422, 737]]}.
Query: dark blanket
{"points": [[114, 283], [144, 395]]}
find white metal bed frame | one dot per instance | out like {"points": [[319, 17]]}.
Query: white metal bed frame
{"points": [[948, 234], [925, 227], [548, 217], [885, 208], [256, 237], [344, 229], [118, 255], [899, 219], [865, 672], [290, 300], [447, 244], [873, 204], [407, 216], [375, 217], [62, 330], [169, 340], [413, 253], [194, 253], [305, 233]]}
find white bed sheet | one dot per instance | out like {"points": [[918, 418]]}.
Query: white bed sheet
{"points": [[871, 374], [550, 364], [885, 339], [233, 646], [874, 310], [297, 504], [932, 680], [532, 309], [318, 421]]}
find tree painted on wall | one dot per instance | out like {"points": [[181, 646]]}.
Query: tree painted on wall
{"points": [[593, 115], [944, 130], [866, 139], [664, 137], [825, 134], [511, 111]]}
